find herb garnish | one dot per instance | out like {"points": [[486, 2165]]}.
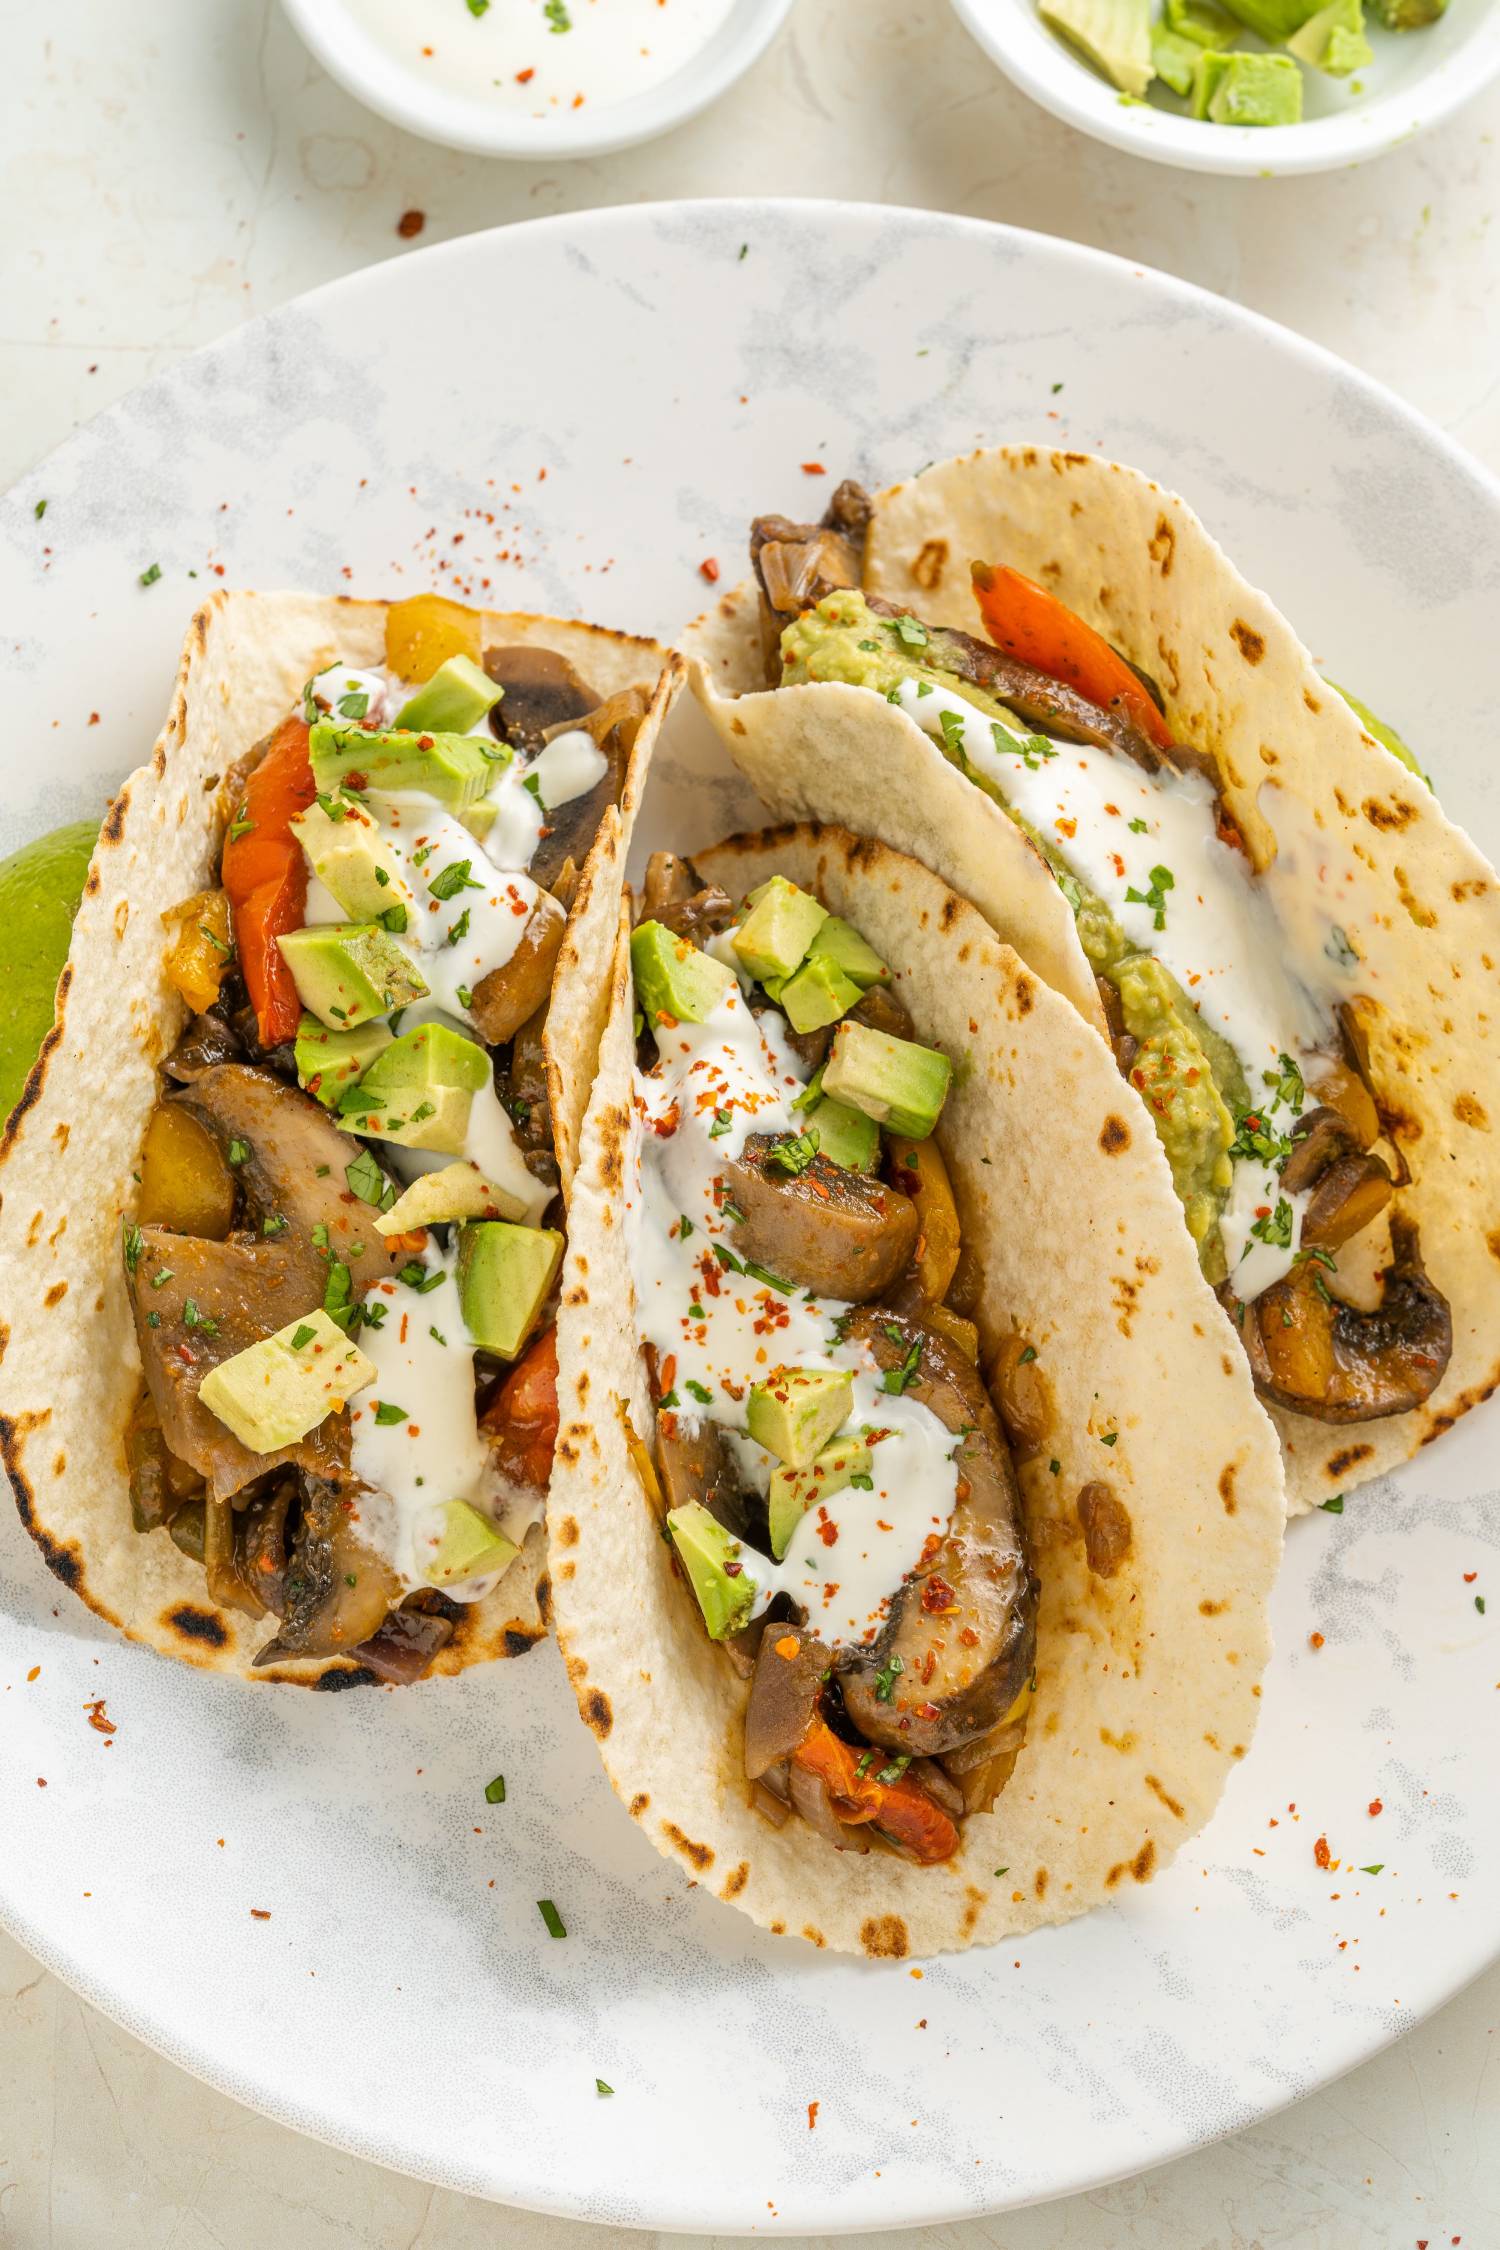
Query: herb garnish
{"points": [[557, 16], [238, 1152], [417, 1277], [161, 1277], [388, 1415], [551, 1917], [354, 705], [459, 930], [132, 1242], [366, 1180], [394, 920], [721, 1124], [1276, 1227], [193, 1318], [885, 1679], [895, 1379], [302, 1335], [494, 1791], [274, 1223], [794, 1156], [910, 630], [601, 2088], [241, 825], [150, 576], [459, 876], [1162, 881], [894, 1770], [338, 1298], [700, 1391]]}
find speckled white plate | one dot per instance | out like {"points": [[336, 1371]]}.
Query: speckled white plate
{"points": [[582, 413]]}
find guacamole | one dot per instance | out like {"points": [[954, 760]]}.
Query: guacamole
{"points": [[1188, 1076]]}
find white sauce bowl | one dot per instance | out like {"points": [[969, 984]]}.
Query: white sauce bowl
{"points": [[1417, 79], [366, 68]]}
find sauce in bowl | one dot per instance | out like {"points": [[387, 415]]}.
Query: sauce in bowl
{"points": [[540, 58]]}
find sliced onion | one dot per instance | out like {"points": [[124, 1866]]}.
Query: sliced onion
{"points": [[811, 1800]]}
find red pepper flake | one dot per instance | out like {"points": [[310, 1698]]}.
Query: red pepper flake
{"points": [[928, 1711], [828, 1531], [410, 224], [41, 1784], [1321, 1852], [1315, 1640], [937, 1594], [1470, 1576], [260, 1914], [524, 77], [99, 1718], [812, 2114], [35, 1672], [813, 469], [709, 569], [1374, 1808]]}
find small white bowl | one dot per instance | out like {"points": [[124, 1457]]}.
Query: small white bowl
{"points": [[373, 75], [1417, 79]]}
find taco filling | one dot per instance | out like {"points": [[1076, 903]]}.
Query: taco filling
{"points": [[340, 1260], [833, 1476], [1226, 983]]}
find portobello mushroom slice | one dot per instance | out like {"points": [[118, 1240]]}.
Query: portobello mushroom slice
{"points": [[675, 895], [572, 827], [1312, 1354], [960, 1641], [338, 1593], [839, 1234], [542, 691]]}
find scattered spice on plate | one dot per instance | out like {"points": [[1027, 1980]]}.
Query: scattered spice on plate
{"points": [[410, 224]]}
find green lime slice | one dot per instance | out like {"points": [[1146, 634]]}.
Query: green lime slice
{"points": [[40, 886]]}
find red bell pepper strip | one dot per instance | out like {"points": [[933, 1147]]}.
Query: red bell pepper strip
{"points": [[1037, 629], [521, 1418], [265, 875], [901, 1809]]}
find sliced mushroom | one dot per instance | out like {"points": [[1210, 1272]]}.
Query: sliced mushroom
{"points": [[1356, 1047], [796, 564], [1349, 1197], [504, 999], [542, 690], [837, 1233], [572, 826], [1312, 1354], [338, 1593], [961, 1637], [410, 1638], [784, 1694], [696, 1464], [675, 896], [1319, 1138], [527, 1097], [209, 1039]]}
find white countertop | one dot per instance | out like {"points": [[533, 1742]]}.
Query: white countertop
{"points": [[166, 172]]}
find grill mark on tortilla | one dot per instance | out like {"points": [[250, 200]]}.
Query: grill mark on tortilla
{"points": [[701, 1855]]}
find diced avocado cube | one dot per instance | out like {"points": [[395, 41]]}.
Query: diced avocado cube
{"points": [[469, 1547], [774, 937], [458, 695], [419, 1090], [840, 942], [274, 1392], [480, 817], [1383, 734], [1204, 22], [329, 1061], [1272, 20], [1243, 89], [797, 1410], [1333, 40], [794, 1491], [818, 994], [894, 1081], [1175, 58], [711, 1557], [1114, 35], [348, 972], [504, 1274], [845, 1136], [673, 978], [457, 1191], [454, 768], [353, 858]]}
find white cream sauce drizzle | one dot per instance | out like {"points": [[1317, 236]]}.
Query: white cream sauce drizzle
{"points": [[424, 1364], [722, 1331], [1248, 951], [531, 59]]}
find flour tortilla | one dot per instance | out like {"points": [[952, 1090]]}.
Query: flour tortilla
{"points": [[70, 1370], [1146, 1681], [1139, 566]]}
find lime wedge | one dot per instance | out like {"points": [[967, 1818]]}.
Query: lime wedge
{"points": [[40, 886]]}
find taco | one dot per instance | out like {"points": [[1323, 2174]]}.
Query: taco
{"points": [[281, 1211], [913, 1522], [1136, 773]]}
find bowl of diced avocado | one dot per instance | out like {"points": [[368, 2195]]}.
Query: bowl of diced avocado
{"points": [[1253, 86]]}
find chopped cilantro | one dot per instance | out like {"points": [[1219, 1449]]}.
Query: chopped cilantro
{"points": [[459, 930], [794, 1156], [149, 577], [894, 1770], [273, 1223], [192, 1318], [133, 1242], [544, 1906], [1276, 1228], [494, 1791], [459, 876], [365, 1178], [1162, 881], [417, 1277], [601, 2088], [1333, 1507], [354, 705], [910, 631], [394, 920], [1137, 827], [885, 1679], [700, 1391], [161, 1277], [895, 1379], [721, 1124], [239, 1152], [338, 1297], [241, 825], [387, 1415], [302, 1335]]}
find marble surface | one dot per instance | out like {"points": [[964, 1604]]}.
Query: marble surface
{"points": [[166, 175]]}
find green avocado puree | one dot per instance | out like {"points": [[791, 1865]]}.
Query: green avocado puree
{"points": [[1189, 1077], [40, 886]]}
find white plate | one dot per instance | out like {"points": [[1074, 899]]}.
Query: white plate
{"points": [[667, 380], [1417, 79]]}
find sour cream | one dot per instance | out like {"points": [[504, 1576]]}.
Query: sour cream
{"points": [[414, 1439], [541, 58], [717, 1328], [1221, 931]]}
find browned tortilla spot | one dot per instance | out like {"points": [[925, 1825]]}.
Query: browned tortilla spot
{"points": [[566, 1534], [1470, 1112], [1348, 1457], [1226, 1489], [1114, 1134], [1252, 645], [597, 1715], [639, 1804], [55, 1294], [203, 1625], [884, 1936], [701, 1855], [735, 1880], [1394, 816], [1165, 1795]]}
